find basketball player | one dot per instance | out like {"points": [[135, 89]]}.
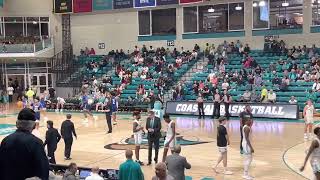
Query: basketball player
{"points": [[247, 148], [44, 107], [36, 106], [114, 101], [86, 107], [314, 152], [170, 140], [222, 143], [137, 133], [308, 112], [246, 114]]}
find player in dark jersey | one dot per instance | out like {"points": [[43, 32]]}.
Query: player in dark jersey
{"points": [[114, 103], [86, 106]]}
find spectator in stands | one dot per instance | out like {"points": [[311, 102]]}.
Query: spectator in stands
{"points": [[311, 95], [247, 49], [254, 97], [257, 80], [272, 97], [264, 95], [21, 153], [225, 85], [70, 173], [196, 48], [161, 172], [293, 100], [284, 84], [94, 174], [306, 76], [177, 164], [316, 86], [130, 170], [246, 96], [92, 52], [86, 51], [293, 75]]}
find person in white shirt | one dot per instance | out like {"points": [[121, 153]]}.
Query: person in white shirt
{"points": [[293, 100], [36, 131], [10, 93], [225, 85], [272, 96], [316, 86], [94, 174], [60, 104]]}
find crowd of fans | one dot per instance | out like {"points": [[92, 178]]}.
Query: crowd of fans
{"points": [[252, 76]]}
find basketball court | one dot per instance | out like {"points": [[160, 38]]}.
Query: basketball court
{"points": [[279, 146]]}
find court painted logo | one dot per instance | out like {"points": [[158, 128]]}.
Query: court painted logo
{"points": [[6, 129], [128, 143]]}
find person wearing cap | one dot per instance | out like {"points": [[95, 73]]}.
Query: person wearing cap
{"points": [[153, 126], [52, 139], [22, 154], [67, 133]]}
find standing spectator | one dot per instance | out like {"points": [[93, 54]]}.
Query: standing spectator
{"points": [[51, 92], [222, 143], [130, 170], [225, 85], [94, 174], [177, 164], [200, 106], [272, 97], [92, 52], [10, 90], [246, 49], [67, 133], [227, 99], [21, 153], [161, 172], [217, 100], [52, 139], [153, 127], [70, 173]]}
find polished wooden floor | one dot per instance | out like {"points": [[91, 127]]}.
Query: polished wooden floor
{"points": [[278, 149]]}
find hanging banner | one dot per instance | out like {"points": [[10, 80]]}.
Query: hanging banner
{"points": [[122, 4], [144, 3], [189, 1], [1, 3], [80, 6], [63, 6], [167, 2], [99, 5]]}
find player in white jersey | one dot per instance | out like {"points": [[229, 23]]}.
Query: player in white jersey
{"points": [[137, 133], [314, 152], [170, 140], [247, 148], [308, 112]]}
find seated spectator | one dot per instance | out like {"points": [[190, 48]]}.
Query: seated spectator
{"points": [[293, 75], [246, 96], [257, 80], [161, 172], [284, 84], [94, 174], [70, 173], [92, 52], [247, 49], [86, 51], [196, 48], [177, 164], [316, 86], [82, 52], [254, 97], [151, 50], [130, 170], [264, 95], [272, 97], [225, 85], [306, 76], [293, 100]]}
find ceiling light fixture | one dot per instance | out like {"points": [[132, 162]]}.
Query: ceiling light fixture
{"points": [[238, 8], [254, 4], [211, 10], [285, 4], [262, 3]]}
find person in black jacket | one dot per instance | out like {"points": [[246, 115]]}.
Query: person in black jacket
{"points": [[22, 155], [153, 127], [67, 133], [52, 139]]}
